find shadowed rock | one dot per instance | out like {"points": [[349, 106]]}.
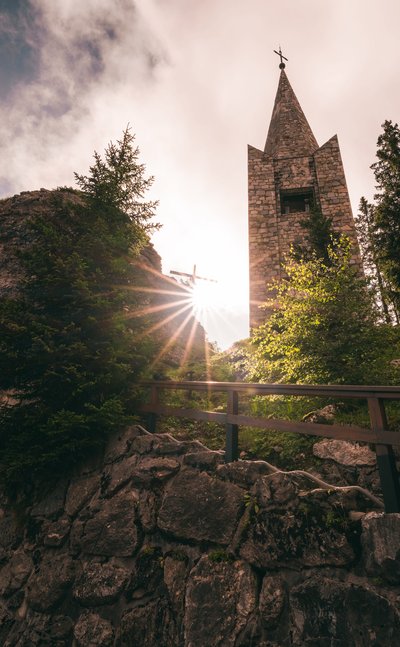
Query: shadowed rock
{"points": [[381, 545], [220, 599], [167, 547], [201, 508]]}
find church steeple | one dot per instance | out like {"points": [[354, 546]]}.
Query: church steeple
{"points": [[289, 133], [285, 180]]}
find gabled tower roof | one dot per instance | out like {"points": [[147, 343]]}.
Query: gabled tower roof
{"points": [[289, 133]]}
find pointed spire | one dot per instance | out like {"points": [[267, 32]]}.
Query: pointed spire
{"points": [[289, 133]]}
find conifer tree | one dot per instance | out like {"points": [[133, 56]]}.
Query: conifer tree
{"points": [[387, 210], [366, 233], [319, 236], [69, 350]]}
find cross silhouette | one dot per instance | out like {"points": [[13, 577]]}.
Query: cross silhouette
{"points": [[281, 56], [193, 277]]}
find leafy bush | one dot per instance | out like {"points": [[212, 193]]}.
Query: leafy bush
{"points": [[323, 328]]}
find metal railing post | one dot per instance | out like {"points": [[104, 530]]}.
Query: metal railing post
{"points": [[231, 430], [385, 458]]}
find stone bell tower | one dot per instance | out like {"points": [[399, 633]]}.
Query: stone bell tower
{"points": [[285, 179]]}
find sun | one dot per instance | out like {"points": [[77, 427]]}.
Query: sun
{"points": [[178, 306], [223, 295], [204, 295]]}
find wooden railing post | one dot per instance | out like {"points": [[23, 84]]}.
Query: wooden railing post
{"points": [[385, 458], [152, 416], [231, 442]]}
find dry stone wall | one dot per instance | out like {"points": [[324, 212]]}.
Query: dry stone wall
{"points": [[163, 545]]}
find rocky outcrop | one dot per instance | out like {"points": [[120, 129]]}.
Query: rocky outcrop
{"points": [[345, 453], [165, 297], [18, 212], [348, 463], [163, 545]]}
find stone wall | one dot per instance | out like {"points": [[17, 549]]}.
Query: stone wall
{"points": [[163, 545], [333, 194]]}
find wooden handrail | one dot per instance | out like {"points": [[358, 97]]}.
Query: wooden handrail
{"points": [[330, 390], [378, 434]]}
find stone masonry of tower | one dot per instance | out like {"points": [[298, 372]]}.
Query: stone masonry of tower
{"points": [[285, 179]]}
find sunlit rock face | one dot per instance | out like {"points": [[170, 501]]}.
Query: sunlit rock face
{"points": [[162, 544]]}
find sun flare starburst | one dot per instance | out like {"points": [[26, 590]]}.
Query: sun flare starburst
{"points": [[185, 308]]}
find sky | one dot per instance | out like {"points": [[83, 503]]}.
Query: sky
{"points": [[196, 80]]}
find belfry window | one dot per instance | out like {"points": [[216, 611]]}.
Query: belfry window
{"points": [[296, 201]]}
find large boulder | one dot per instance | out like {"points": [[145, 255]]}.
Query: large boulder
{"points": [[200, 508], [92, 630], [221, 597], [328, 613], [272, 600], [47, 588], [14, 573], [381, 545], [148, 625], [112, 528], [100, 584], [344, 452], [80, 491]]}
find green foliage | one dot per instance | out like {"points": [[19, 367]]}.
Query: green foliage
{"points": [[232, 365], [283, 406], [284, 450], [366, 233], [378, 225], [210, 434], [319, 237], [337, 518], [219, 555], [70, 350], [387, 210], [250, 502], [119, 182], [323, 327], [355, 412]]}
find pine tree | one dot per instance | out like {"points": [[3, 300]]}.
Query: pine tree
{"points": [[365, 227], [387, 210], [69, 350], [319, 236]]}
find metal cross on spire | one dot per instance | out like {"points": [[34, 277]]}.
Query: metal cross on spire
{"points": [[282, 57], [193, 277]]}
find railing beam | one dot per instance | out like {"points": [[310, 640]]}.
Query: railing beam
{"points": [[375, 395]]}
